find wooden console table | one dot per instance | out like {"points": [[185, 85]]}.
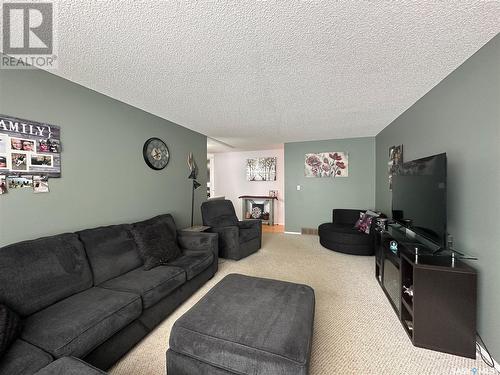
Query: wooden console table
{"points": [[251, 199]]}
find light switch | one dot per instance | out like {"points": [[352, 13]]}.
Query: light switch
{"points": [[298, 187]]}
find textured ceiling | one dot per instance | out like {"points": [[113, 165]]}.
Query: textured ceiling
{"points": [[258, 73]]}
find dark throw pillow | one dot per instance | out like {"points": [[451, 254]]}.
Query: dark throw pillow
{"points": [[365, 221], [10, 328], [360, 220], [156, 244]]}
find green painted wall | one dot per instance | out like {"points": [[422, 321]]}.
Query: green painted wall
{"points": [[104, 177], [313, 204], [461, 116]]}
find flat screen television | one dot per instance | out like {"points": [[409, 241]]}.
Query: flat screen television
{"points": [[419, 198]]}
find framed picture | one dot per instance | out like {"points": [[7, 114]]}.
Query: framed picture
{"points": [[15, 182], [19, 161], [42, 160], [18, 144], [395, 163], [3, 143], [30, 147], [3, 161], [40, 184], [261, 169], [326, 164]]}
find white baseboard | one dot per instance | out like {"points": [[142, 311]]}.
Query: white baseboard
{"points": [[292, 232], [497, 365]]}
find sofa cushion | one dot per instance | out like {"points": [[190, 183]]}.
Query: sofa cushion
{"points": [[23, 358], [151, 285], [343, 233], [77, 324], [10, 327], [248, 234], [69, 366], [193, 263], [35, 274], [156, 243], [166, 219], [111, 251]]}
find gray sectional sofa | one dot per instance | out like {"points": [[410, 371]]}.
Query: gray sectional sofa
{"points": [[86, 294]]}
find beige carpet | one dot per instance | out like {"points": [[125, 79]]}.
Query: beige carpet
{"points": [[355, 331]]}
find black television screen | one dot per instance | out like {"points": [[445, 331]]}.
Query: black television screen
{"points": [[419, 197]]}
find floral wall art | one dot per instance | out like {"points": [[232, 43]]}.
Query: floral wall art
{"points": [[395, 163], [326, 164]]}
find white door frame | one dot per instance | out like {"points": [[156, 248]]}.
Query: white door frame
{"points": [[211, 161]]}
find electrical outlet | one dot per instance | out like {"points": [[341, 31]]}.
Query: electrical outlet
{"points": [[298, 187]]}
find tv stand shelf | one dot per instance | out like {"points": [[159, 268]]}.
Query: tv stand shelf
{"points": [[441, 312]]}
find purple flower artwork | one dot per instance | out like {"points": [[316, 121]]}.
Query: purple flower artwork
{"points": [[326, 164]]}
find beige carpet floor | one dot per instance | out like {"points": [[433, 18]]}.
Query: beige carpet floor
{"points": [[356, 330]]}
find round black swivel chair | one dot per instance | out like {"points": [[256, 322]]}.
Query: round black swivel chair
{"points": [[340, 235]]}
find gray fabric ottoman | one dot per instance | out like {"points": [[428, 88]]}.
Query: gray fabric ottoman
{"points": [[245, 325]]}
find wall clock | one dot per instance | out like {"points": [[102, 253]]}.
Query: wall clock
{"points": [[156, 154]]}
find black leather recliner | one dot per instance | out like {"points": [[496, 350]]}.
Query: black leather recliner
{"points": [[237, 239]]}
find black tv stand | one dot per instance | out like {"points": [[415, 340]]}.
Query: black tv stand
{"points": [[440, 312]]}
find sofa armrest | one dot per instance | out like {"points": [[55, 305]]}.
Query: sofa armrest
{"points": [[231, 230], [229, 240], [246, 224], [250, 224], [198, 241]]}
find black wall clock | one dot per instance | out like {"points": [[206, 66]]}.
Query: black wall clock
{"points": [[156, 153]]}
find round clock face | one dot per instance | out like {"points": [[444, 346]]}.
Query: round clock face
{"points": [[156, 153]]}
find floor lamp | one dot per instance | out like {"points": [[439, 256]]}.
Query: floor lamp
{"points": [[196, 185]]}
